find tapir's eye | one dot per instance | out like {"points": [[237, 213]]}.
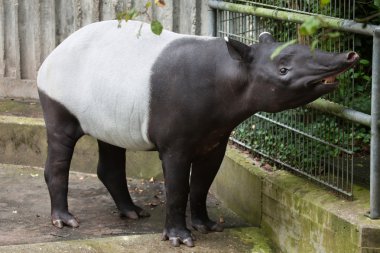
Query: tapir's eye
{"points": [[284, 71]]}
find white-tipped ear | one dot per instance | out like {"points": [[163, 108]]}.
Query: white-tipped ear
{"points": [[266, 37]]}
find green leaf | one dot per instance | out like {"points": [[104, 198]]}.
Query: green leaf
{"points": [[367, 78], [324, 2], [310, 26], [133, 13], [364, 62], [334, 35], [278, 50], [120, 16], [148, 4], [314, 45], [127, 15], [156, 27]]}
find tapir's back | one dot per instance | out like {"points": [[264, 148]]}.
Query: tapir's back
{"points": [[101, 74]]}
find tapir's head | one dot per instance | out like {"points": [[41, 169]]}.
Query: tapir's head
{"points": [[295, 77]]}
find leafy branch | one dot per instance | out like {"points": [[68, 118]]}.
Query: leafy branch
{"points": [[133, 13], [313, 24], [309, 28]]}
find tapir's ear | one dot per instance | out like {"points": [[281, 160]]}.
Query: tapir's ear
{"points": [[238, 50], [266, 37]]}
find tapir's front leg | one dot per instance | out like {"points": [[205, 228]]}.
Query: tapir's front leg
{"points": [[203, 172], [176, 172]]}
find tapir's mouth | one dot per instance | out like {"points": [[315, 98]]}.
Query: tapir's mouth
{"points": [[331, 78], [328, 80]]}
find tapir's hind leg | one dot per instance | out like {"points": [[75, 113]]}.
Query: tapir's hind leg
{"points": [[111, 171], [63, 131], [203, 173]]}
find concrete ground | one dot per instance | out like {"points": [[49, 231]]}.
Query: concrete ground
{"points": [[26, 227]]}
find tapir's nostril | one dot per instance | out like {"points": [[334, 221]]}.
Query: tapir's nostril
{"points": [[352, 56]]}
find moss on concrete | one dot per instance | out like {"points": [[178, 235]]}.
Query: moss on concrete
{"points": [[142, 164], [255, 237], [239, 190], [20, 107], [299, 216]]}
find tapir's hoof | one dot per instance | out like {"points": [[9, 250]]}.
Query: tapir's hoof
{"points": [[64, 219], [177, 240], [208, 227], [143, 214], [135, 214]]}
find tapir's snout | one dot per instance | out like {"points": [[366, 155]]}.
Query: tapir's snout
{"points": [[352, 57], [329, 66], [339, 61]]}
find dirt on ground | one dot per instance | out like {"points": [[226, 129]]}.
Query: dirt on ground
{"points": [[25, 208]]}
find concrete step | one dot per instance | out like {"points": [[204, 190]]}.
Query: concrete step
{"points": [[226, 242]]}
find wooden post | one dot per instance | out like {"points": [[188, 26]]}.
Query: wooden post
{"points": [[12, 45]]}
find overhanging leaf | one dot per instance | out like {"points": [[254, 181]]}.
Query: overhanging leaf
{"points": [[310, 26], [364, 62], [324, 2], [148, 4], [334, 35], [156, 27], [278, 50], [314, 45]]}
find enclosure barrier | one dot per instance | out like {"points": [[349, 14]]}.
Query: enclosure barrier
{"points": [[375, 135], [321, 104]]}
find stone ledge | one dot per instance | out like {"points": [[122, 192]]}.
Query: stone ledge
{"points": [[11, 87], [299, 216], [23, 142]]}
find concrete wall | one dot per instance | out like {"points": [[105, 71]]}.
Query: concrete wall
{"points": [[31, 29]]}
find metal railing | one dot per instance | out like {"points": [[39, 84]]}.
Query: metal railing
{"points": [[316, 140]]}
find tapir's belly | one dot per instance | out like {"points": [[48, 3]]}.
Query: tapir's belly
{"points": [[101, 74]]}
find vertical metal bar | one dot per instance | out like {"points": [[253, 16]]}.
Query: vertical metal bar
{"points": [[375, 131], [212, 21]]}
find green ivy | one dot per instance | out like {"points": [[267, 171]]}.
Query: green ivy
{"points": [[133, 13]]}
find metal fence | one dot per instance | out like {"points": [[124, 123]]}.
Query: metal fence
{"points": [[316, 140]]}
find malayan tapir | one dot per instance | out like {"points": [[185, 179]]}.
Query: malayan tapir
{"points": [[178, 94]]}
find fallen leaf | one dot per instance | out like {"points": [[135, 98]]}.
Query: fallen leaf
{"points": [[153, 204]]}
